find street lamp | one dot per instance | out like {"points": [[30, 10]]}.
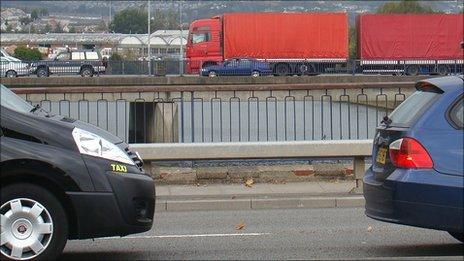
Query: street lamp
{"points": [[181, 59], [148, 32]]}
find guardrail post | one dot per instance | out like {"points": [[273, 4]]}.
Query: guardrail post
{"points": [[359, 167]]}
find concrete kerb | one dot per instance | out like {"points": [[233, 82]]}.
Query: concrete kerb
{"points": [[258, 203]]}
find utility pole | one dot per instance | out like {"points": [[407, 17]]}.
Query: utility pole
{"points": [[181, 61], [148, 43]]}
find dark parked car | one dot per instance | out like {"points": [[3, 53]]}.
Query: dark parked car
{"points": [[86, 63], [65, 179], [417, 172], [238, 67]]}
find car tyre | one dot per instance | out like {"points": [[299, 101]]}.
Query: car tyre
{"points": [[11, 74], [33, 213], [255, 74], [443, 70], [412, 70], [87, 72], [212, 74], [458, 236], [282, 70], [42, 72]]}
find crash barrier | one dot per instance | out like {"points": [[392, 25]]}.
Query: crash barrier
{"points": [[356, 149], [234, 67], [228, 113]]}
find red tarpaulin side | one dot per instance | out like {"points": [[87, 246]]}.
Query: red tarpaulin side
{"points": [[396, 37], [286, 35]]}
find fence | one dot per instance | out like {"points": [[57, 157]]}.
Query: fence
{"points": [[193, 114], [242, 67]]}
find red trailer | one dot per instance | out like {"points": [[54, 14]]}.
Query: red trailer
{"points": [[410, 43], [294, 43]]}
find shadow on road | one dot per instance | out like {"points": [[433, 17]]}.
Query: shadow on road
{"points": [[419, 250], [104, 255]]}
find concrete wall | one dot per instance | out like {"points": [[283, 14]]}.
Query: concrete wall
{"points": [[132, 81]]}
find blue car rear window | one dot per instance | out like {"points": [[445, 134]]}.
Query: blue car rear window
{"points": [[411, 108]]}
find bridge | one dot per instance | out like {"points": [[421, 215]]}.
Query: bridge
{"points": [[225, 118]]}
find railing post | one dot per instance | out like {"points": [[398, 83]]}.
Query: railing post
{"points": [[359, 167], [353, 71]]}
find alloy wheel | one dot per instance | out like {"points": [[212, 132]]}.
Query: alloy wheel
{"points": [[26, 229]]}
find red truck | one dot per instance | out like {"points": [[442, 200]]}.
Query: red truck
{"points": [[293, 43], [410, 43]]}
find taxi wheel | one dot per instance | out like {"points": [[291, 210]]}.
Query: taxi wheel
{"points": [[33, 223], [458, 236]]}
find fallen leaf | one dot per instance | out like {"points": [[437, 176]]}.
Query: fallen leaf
{"points": [[369, 229], [240, 225], [233, 197], [249, 182]]}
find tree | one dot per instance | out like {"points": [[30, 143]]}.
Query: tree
{"points": [[47, 28], [132, 20], [353, 46], [34, 14], [25, 20], [43, 11], [168, 20], [101, 27], [58, 28], [26, 54], [116, 57], [405, 6], [72, 29]]}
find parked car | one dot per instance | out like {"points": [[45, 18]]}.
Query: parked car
{"points": [[86, 63], [238, 67], [65, 179], [416, 177], [13, 67]]}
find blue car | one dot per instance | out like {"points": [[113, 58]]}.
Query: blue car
{"points": [[417, 169], [238, 67]]}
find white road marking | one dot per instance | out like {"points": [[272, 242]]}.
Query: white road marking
{"points": [[188, 236]]}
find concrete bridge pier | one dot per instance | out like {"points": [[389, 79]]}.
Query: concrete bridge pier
{"points": [[153, 122]]}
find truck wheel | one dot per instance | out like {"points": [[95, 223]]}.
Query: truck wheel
{"points": [[42, 72], [11, 74], [458, 236], [281, 69], [412, 70], [33, 223], [87, 72], [212, 74], [255, 74], [306, 69], [443, 70]]}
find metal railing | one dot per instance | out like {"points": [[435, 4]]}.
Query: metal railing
{"points": [[234, 67], [193, 114]]}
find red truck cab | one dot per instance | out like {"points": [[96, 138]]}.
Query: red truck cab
{"points": [[204, 43]]}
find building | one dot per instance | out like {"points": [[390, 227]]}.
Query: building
{"points": [[163, 43]]}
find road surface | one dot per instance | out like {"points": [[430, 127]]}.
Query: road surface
{"points": [[271, 234]]}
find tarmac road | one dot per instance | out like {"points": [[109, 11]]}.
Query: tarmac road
{"points": [[336, 233]]}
